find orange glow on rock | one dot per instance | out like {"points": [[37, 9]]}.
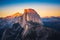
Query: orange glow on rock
{"points": [[17, 14]]}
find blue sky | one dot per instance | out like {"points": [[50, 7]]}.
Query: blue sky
{"points": [[7, 2]]}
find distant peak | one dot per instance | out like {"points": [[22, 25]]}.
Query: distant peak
{"points": [[17, 14]]}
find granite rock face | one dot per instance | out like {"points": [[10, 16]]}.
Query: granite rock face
{"points": [[27, 26]]}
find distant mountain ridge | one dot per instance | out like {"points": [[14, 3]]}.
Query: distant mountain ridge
{"points": [[52, 18], [52, 22]]}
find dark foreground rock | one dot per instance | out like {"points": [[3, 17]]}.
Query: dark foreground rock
{"points": [[35, 32]]}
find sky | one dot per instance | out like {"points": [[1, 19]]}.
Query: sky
{"points": [[42, 7]]}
